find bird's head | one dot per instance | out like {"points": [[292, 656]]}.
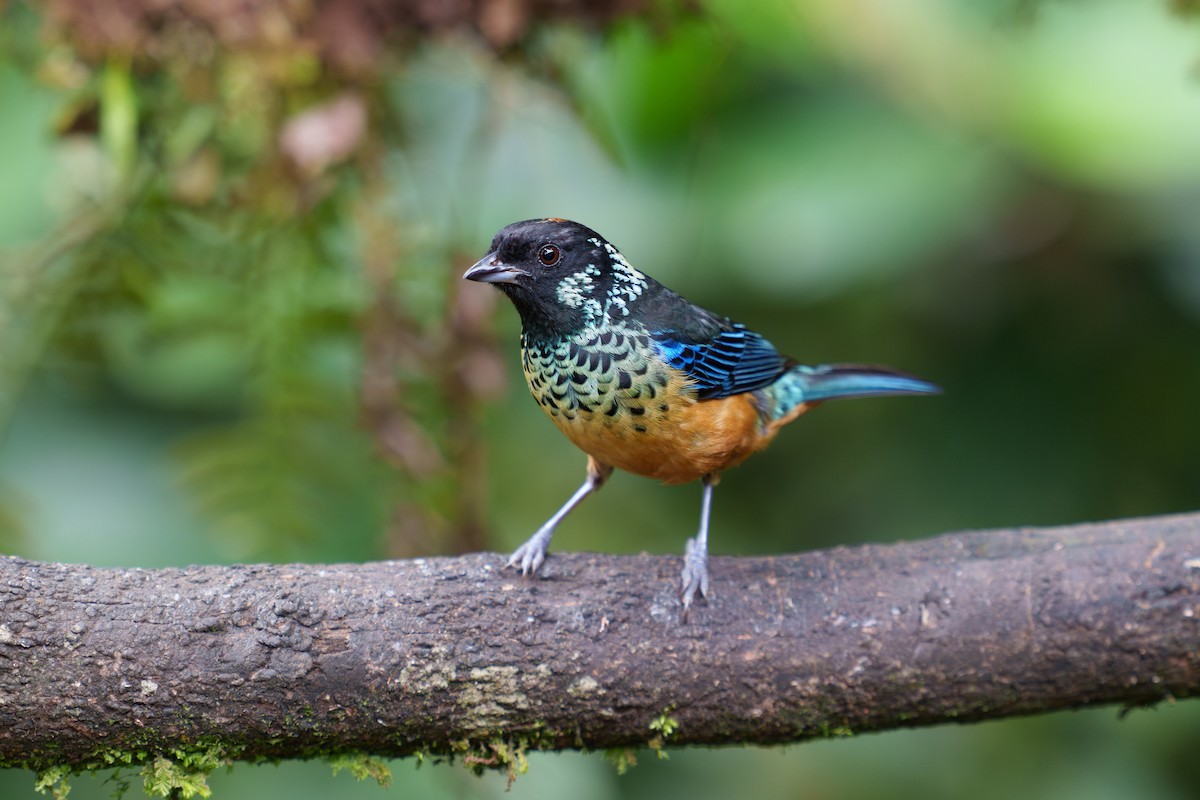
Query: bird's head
{"points": [[562, 276]]}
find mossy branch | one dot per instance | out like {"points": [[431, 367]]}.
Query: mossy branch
{"points": [[458, 656]]}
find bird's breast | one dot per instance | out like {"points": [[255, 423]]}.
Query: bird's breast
{"points": [[618, 401]]}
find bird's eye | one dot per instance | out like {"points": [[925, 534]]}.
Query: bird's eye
{"points": [[549, 255]]}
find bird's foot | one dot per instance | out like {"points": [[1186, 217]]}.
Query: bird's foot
{"points": [[694, 573], [529, 556]]}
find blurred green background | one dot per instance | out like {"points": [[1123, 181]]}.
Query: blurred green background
{"points": [[232, 326]]}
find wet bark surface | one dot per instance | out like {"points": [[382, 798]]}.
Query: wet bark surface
{"points": [[432, 654]]}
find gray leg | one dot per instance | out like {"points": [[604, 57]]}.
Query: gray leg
{"points": [[531, 554], [695, 559]]}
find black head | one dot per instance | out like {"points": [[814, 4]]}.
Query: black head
{"points": [[561, 276]]}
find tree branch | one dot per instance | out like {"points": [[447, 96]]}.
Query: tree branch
{"points": [[448, 654]]}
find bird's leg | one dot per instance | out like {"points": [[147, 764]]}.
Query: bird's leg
{"points": [[531, 554], [695, 559]]}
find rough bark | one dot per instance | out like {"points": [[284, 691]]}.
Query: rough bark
{"points": [[446, 654]]}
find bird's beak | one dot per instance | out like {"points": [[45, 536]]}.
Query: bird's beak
{"points": [[490, 269]]}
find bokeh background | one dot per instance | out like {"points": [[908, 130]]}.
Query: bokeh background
{"points": [[232, 326]]}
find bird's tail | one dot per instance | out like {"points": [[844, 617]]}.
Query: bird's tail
{"points": [[805, 384]]}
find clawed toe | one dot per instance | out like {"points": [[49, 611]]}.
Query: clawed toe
{"points": [[526, 559], [530, 556], [694, 575]]}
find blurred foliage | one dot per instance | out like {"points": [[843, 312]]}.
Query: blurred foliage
{"points": [[231, 325]]}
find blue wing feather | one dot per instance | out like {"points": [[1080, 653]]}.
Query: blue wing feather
{"points": [[730, 362]]}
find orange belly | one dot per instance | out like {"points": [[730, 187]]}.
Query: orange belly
{"points": [[674, 442]]}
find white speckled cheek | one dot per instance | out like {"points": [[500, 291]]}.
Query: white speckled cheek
{"points": [[573, 289]]}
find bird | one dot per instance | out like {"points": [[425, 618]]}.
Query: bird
{"points": [[641, 379]]}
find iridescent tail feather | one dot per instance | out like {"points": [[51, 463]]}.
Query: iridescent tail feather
{"points": [[805, 384]]}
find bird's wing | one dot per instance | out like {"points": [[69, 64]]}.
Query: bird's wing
{"points": [[729, 361]]}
